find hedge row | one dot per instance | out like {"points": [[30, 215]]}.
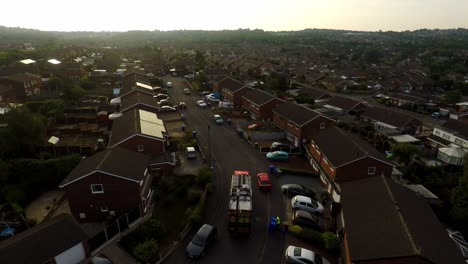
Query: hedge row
{"points": [[298, 172]]}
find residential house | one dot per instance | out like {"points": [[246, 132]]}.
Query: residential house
{"points": [[344, 105], [140, 87], [7, 93], [405, 101], [109, 184], [259, 104], [138, 100], [384, 119], [25, 85], [320, 97], [232, 90], [383, 222], [338, 157], [65, 70], [331, 82], [452, 140], [299, 122], [58, 240]]}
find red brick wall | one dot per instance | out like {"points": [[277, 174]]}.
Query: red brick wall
{"points": [[279, 121], [312, 128], [150, 146], [266, 110], [358, 170], [119, 195], [237, 96]]}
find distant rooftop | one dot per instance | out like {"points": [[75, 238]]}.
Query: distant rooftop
{"points": [[54, 61], [27, 61]]}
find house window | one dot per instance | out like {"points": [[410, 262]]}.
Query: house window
{"points": [[82, 215], [437, 132], [104, 208], [322, 125], [97, 188], [141, 148], [371, 170]]}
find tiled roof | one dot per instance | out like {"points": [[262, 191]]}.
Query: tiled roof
{"points": [[295, 113], [406, 97], [458, 126], [42, 242], [340, 147], [342, 102], [386, 220], [23, 77], [387, 116], [258, 97], [117, 161], [230, 84], [137, 98]]}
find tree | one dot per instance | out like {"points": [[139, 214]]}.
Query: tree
{"points": [[405, 152], [73, 93], [147, 252], [452, 97], [372, 55], [87, 84], [459, 211], [200, 61]]}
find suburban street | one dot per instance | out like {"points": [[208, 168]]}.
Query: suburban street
{"points": [[229, 153]]}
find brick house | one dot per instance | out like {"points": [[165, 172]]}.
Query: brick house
{"points": [[405, 100], [130, 78], [231, 90], [108, 184], [7, 94], [383, 119], [344, 105], [300, 123], [24, 84], [338, 157], [320, 97], [138, 100], [259, 104], [58, 240], [383, 222]]}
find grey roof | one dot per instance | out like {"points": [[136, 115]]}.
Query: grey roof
{"points": [[258, 97], [388, 116], [42, 242], [114, 161], [386, 220], [344, 103], [460, 127], [137, 98], [230, 84], [23, 77], [295, 113], [333, 140]]}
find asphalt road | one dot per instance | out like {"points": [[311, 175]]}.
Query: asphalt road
{"points": [[228, 153]]}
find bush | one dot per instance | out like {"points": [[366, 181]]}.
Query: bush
{"points": [[330, 241], [298, 172], [194, 196], [205, 176], [197, 213], [147, 252], [311, 235]]}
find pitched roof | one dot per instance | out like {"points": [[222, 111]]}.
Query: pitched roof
{"points": [[130, 124], [344, 103], [23, 77], [137, 98], [258, 97], [230, 84], [333, 140], [113, 161], [461, 128], [315, 94], [388, 116], [386, 220], [406, 97], [42, 242], [295, 113]]}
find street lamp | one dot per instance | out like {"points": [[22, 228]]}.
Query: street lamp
{"points": [[209, 147]]}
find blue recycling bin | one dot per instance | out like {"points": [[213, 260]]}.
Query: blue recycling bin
{"points": [[272, 224], [241, 133], [272, 169], [183, 128], [229, 121], [194, 133]]}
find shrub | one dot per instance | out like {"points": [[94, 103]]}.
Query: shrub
{"points": [[197, 213], [147, 252], [205, 176], [194, 196], [210, 187], [295, 229], [330, 241], [298, 172], [311, 235]]}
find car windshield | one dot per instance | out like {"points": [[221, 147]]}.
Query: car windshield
{"points": [[264, 182], [198, 240], [318, 259], [314, 203]]}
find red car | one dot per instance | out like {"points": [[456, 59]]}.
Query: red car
{"points": [[254, 126], [263, 181]]}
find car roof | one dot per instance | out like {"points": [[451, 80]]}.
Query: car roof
{"points": [[263, 176], [205, 230], [190, 149], [217, 116], [305, 214], [295, 186], [280, 152], [305, 253], [303, 198]]}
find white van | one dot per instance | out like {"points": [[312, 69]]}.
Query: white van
{"points": [[169, 84], [225, 105], [191, 153]]}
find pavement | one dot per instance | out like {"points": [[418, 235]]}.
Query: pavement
{"points": [[44, 205]]}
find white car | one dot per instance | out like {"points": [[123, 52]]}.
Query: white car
{"points": [[300, 255], [300, 202], [167, 108], [201, 103], [212, 99]]}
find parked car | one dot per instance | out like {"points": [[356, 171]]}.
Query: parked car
{"points": [[189, 76], [169, 84], [296, 189], [280, 146], [277, 156], [303, 218], [212, 99], [166, 108], [300, 202], [161, 96], [263, 181], [218, 119], [101, 259], [191, 153], [228, 105], [187, 91], [205, 236], [182, 105], [300, 255], [201, 103], [254, 126], [215, 95], [164, 102], [204, 93]]}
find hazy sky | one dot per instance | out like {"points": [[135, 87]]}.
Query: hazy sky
{"points": [[120, 15]]}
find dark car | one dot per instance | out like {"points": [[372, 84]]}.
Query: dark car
{"points": [[303, 218], [297, 189], [205, 236]]}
